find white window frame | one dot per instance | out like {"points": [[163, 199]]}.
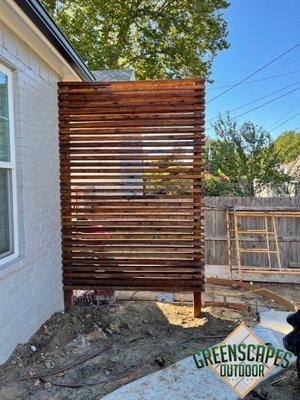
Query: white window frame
{"points": [[11, 166]]}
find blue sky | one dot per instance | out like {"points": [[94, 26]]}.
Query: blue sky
{"points": [[259, 31]]}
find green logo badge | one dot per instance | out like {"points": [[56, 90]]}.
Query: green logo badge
{"points": [[242, 359]]}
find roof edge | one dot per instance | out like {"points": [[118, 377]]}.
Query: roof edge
{"points": [[40, 17]]}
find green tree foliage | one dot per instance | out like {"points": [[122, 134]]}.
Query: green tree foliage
{"points": [[219, 185], [165, 181], [239, 157], [158, 38], [287, 146]]}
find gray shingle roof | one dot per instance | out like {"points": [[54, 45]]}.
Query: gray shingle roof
{"points": [[107, 75]]}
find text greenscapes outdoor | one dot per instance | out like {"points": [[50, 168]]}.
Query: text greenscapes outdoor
{"points": [[242, 360]]}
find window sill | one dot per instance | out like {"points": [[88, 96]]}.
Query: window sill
{"points": [[9, 265]]}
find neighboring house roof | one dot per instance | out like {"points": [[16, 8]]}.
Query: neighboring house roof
{"points": [[114, 75], [292, 168], [40, 17]]}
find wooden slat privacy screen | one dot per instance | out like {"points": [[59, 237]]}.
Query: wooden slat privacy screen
{"points": [[131, 166]]}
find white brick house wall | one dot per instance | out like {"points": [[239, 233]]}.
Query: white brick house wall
{"points": [[30, 288]]}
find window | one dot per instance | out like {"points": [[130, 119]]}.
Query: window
{"points": [[8, 214]]}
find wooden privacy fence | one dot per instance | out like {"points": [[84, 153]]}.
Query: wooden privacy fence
{"points": [[252, 234], [131, 165]]}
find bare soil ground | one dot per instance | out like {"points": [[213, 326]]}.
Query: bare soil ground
{"points": [[93, 350]]}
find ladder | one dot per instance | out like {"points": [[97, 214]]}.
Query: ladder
{"points": [[267, 231]]}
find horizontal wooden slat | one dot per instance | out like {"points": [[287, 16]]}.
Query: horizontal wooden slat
{"points": [[137, 158], [138, 144], [116, 205], [144, 132], [132, 117], [86, 93], [92, 110], [84, 136], [94, 120], [137, 152]]}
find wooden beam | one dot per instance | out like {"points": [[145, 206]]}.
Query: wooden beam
{"points": [[197, 304], [286, 304], [68, 299]]}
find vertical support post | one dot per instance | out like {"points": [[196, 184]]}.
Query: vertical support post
{"points": [[68, 299], [197, 304], [237, 243], [65, 187], [228, 228], [267, 239], [198, 201], [277, 243]]}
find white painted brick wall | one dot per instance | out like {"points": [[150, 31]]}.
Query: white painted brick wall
{"points": [[30, 288]]}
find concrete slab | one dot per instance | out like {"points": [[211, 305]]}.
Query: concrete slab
{"points": [[183, 381], [275, 320], [178, 381]]}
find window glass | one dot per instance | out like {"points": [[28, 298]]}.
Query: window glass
{"points": [[4, 123], [3, 96], [5, 234], [4, 140], [8, 241]]}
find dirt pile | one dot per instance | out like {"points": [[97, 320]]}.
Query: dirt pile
{"points": [[93, 350]]}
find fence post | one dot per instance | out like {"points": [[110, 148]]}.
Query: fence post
{"points": [[197, 304]]}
